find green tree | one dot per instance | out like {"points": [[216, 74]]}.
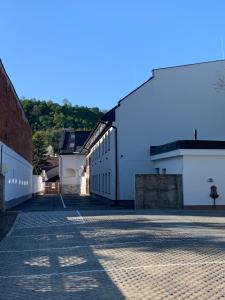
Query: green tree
{"points": [[39, 152]]}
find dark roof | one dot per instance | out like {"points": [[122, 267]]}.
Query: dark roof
{"points": [[106, 119], [110, 115], [51, 163], [71, 142], [187, 144]]}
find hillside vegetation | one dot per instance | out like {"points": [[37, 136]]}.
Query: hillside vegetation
{"points": [[48, 118]]}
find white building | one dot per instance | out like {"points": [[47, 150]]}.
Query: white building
{"points": [[168, 107], [72, 163], [202, 165], [15, 147]]}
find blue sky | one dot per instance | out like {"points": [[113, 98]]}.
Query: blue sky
{"points": [[94, 52]]}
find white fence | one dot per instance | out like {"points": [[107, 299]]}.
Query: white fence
{"points": [[37, 184]]}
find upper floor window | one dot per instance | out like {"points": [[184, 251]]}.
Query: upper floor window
{"points": [[103, 150], [109, 136]]}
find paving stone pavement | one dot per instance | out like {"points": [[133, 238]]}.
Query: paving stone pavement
{"points": [[114, 254]]}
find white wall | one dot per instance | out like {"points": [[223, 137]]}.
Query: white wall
{"points": [[38, 184], [169, 107], [197, 167], [197, 171], [173, 165], [18, 174], [103, 162], [69, 164]]}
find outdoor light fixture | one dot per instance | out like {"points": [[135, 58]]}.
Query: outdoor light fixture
{"points": [[213, 194]]}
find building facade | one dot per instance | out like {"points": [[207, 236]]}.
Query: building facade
{"points": [[72, 163], [169, 106], [15, 145]]}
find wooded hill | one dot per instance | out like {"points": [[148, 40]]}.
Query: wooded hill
{"points": [[48, 118]]}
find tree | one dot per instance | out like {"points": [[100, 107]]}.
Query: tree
{"points": [[39, 152]]}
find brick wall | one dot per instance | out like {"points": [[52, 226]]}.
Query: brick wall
{"points": [[15, 131]]}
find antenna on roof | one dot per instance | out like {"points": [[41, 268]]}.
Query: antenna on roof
{"points": [[222, 47]]}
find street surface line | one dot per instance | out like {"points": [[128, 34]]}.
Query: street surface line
{"points": [[114, 269], [14, 225], [88, 246], [80, 216], [64, 206]]}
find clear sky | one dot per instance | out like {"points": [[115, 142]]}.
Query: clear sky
{"points": [[94, 52]]}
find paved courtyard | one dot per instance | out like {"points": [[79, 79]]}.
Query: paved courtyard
{"points": [[114, 254]]}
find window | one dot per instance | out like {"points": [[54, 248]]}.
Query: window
{"points": [[109, 183], [106, 141], [102, 146], [93, 182], [106, 183], [164, 171], [99, 183], [103, 180], [157, 170], [109, 136]]}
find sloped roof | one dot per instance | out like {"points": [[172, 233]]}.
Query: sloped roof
{"points": [[71, 142]]}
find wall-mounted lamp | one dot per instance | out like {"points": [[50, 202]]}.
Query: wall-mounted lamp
{"points": [[210, 180]]}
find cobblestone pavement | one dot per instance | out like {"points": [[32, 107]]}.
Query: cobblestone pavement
{"points": [[54, 202], [114, 254]]}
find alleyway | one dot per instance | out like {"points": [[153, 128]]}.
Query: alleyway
{"points": [[112, 254]]}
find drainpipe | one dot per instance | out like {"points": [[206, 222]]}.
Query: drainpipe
{"points": [[116, 159]]}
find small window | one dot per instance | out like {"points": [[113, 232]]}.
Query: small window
{"points": [[109, 136], [157, 170], [102, 147], [109, 183], [106, 142], [103, 181], [164, 171], [106, 183]]}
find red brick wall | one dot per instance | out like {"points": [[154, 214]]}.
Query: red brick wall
{"points": [[15, 131]]}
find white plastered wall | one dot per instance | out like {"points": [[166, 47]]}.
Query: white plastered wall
{"points": [[104, 164], [71, 169], [18, 175], [197, 172], [197, 167], [169, 107]]}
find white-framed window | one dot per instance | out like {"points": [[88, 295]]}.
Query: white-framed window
{"points": [[106, 183], [164, 171], [103, 182], [157, 171], [106, 141], [109, 137], [103, 146], [109, 183]]}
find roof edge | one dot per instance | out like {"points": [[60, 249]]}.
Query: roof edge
{"points": [[191, 64]]}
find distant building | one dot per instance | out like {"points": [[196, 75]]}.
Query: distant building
{"points": [[15, 145], [72, 163], [166, 108], [50, 172]]}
